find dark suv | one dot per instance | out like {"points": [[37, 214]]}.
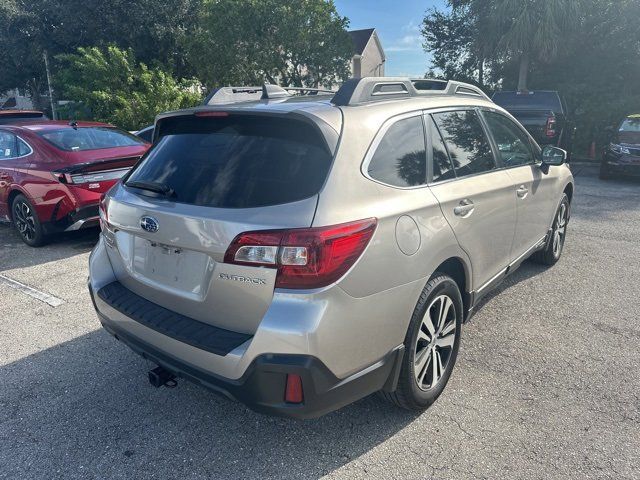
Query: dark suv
{"points": [[543, 113], [622, 155]]}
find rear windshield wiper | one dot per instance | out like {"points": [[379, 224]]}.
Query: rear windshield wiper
{"points": [[154, 187]]}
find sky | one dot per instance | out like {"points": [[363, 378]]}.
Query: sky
{"points": [[398, 25]]}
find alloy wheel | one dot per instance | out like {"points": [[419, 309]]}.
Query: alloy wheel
{"points": [[24, 220], [435, 342], [560, 230]]}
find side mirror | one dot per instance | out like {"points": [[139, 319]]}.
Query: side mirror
{"points": [[552, 157]]}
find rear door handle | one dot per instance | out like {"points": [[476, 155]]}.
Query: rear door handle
{"points": [[522, 191], [465, 208]]}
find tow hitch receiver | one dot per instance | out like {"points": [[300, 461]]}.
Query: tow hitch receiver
{"points": [[159, 377]]}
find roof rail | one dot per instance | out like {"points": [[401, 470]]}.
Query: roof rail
{"points": [[371, 89], [227, 95]]}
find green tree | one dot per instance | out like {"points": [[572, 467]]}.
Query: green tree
{"points": [[20, 42], [154, 30], [459, 40], [531, 30], [119, 90], [302, 43]]}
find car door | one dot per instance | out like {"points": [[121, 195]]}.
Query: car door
{"points": [[13, 151], [475, 196], [532, 190]]}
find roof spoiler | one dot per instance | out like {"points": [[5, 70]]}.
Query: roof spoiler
{"points": [[372, 89]]}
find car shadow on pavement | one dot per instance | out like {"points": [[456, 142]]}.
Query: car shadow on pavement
{"points": [[527, 269], [16, 254], [85, 409]]}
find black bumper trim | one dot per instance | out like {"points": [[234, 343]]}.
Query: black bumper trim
{"points": [[262, 385], [179, 327]]}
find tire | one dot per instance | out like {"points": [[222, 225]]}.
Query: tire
{"points": [[26, 222], [553, 250], [409, 394], [605, 174]]}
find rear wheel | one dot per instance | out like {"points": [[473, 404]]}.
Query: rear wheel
{"points": [[431, 345], [26, 222], [553, 250]]}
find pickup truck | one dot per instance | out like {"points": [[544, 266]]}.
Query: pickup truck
{"points": [[543, 113]]}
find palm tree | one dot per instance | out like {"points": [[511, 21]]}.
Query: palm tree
{"points": [[531, 29]]}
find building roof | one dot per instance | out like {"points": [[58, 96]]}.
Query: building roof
{"points": [[360, 39]]}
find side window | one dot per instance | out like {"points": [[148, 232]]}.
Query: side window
{"points": [[401, 157], [466, 141], [8, 147], [513, 144], [23, 148], [441, 163]]}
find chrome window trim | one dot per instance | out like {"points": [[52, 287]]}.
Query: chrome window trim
{"points": [[373, 147]]}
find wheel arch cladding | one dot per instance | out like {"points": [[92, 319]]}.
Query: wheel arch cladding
{"points": [[458, 271]]}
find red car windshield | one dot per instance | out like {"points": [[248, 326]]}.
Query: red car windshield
{"points": [[89, 138]]}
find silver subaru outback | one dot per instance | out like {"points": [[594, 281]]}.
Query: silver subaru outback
{"points": [[297, 253]]}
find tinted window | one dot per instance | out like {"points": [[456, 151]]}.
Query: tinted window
{"points": [[513, 144], [89, 138], [400, 159], [7, 145], [442, 167], [146, 134], [466, 141], [237, 161]]}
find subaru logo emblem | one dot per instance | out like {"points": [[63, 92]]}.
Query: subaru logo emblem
{"points": [[149, 224]]}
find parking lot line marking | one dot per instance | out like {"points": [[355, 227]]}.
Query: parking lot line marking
{"points": [[32, 292]]}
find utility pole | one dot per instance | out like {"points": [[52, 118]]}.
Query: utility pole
{"points": [[46, 66]]}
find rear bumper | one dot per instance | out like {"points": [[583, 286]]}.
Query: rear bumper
{"points": [[262, 386], [85, 217], [621, 164]]}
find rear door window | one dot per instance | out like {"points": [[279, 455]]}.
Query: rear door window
{"points": [[236, 161], [400, 158], [466, 141]]}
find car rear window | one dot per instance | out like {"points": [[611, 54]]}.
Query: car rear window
{"points": [[236, 161], [528, 100], [89, 138]]}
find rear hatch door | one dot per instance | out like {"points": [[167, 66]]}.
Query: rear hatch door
{"points": [[205, 181]]}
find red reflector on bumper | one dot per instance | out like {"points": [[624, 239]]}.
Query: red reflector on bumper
{"points": [[293, 390]]}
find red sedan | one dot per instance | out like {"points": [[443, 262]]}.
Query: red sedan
{"points": [[52, 174]]}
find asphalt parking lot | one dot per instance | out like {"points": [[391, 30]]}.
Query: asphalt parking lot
{"points": [[547, 383]]}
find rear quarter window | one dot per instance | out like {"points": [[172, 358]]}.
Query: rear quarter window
{"points": [[239, 161], [400, 157]]}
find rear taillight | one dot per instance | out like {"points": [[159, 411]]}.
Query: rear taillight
{"points": [[550, 130], [104, 215], [304, 257]]}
